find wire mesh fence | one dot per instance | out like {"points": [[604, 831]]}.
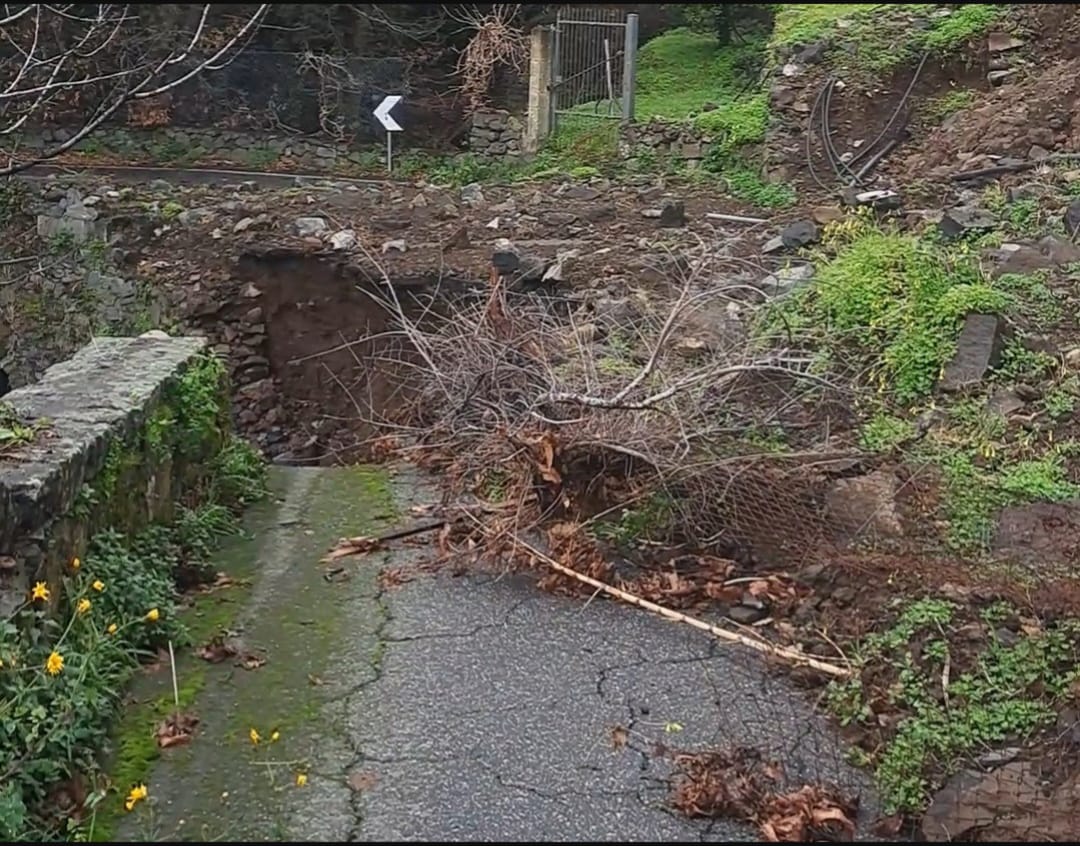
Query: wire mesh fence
{"points": [[590, 58]]}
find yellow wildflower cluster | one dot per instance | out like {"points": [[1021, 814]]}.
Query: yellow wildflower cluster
{"points": [[54, 664], [256, 738]]}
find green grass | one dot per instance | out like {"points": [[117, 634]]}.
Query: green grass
{"points": [[882, 36], [977, 488], [681, 71], [803, 23], [941, 107]]}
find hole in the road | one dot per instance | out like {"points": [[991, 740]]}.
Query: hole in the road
{"points": [[336, 352]]}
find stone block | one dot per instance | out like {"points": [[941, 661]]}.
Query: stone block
{"points": [[978, 351]]}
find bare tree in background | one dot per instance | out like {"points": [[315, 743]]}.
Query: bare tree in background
{"points": [[84, 62]]}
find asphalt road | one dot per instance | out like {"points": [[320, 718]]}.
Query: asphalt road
{"points": [[472, 708], [189, 176]]}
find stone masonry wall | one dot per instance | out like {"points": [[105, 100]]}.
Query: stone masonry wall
{"points": [[185, 146], [665, 141], [103, 456], [496, 134], [50, 308]]}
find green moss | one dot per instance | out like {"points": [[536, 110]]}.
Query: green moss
{"points": [[137, 748]]}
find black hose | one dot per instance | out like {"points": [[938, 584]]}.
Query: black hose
{"points": [[826, 132], [810, 141], [896, 111]]}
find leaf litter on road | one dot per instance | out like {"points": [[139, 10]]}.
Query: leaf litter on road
{"points": [[740, 784], [221, 648], [176, 729]]}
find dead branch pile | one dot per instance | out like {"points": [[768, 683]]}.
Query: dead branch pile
{"points": [[560, 410]]}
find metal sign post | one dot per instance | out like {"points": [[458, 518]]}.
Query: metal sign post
{"points": [[382, 114]]}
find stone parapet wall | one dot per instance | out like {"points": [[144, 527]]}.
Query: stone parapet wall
{"points": [[122, 430], [182, 146]]}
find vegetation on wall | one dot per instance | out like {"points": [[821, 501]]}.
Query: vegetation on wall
{"points": [[67, 651]]}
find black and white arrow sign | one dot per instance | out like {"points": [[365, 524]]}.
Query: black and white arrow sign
{"points": [[382, 113]]}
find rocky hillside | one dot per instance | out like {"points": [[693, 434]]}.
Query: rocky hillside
{"points": [[913, 93]]}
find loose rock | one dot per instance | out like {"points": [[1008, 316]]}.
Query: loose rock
{"points": [[978, 351], [307, 227]]}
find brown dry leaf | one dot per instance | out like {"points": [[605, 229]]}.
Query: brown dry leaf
{"points": [[1030, 627], [562, 531], [216, 651], [425, 510], [758, 589], [176, 730], [160, 660], [360, 545], [360, 781], [384, 447], [69, 797], [808, 814], [393, 577], [547, 459], [888, 827], [720, 593], [251, 661], [442, 540], [222, 580], [620, 736]]}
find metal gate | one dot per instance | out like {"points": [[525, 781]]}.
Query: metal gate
{"points": [[593, 66]]}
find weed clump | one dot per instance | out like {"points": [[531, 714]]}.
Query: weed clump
{"points": [[894, 299]]}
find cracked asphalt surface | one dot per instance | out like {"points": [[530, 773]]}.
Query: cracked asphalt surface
{"points": [[471, 708]]}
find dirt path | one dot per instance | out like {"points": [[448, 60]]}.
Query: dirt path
{"points": [[468, 708]]}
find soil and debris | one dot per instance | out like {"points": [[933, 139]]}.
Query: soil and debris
{"points": [[577, 362]]}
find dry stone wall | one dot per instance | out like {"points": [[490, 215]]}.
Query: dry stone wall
{"points": [[496, 134]]}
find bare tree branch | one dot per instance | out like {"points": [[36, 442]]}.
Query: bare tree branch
{"points": [[81, 63]]}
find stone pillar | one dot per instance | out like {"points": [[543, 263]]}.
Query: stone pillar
{"points": [[538, 123]]}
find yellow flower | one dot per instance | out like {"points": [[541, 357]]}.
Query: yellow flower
{"points": [[275, 736], [254, 735], [83, 606], [153, 615], [301, 779], [41, 591], [111, 629], [55, 664], [98, 585], [135, 796], [75, 563]]}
